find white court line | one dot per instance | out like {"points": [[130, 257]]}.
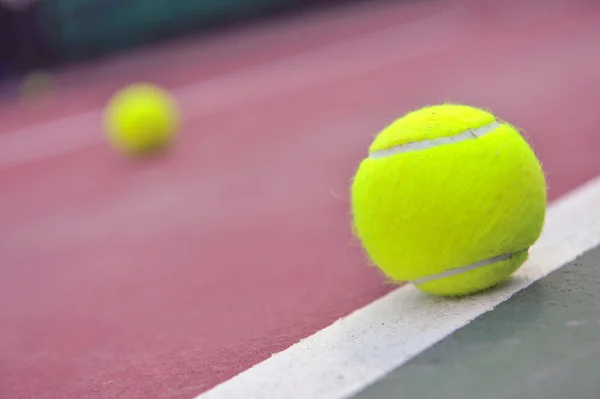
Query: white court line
{"points": [[324, 65], [355, 351]]}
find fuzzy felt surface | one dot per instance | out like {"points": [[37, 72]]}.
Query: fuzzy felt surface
{"points": [[424, 212]]}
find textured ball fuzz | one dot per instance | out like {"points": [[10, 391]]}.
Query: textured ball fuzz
{"points": [[141, 119], [449, 199]]}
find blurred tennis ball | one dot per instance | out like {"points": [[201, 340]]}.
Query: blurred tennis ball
{"points": [[141, 119], [37, 88]]}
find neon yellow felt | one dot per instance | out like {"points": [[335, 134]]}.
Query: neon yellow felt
{"points": [[141, 118], [423, 212]]}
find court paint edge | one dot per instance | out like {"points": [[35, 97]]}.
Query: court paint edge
{"points": [[357, 350]]}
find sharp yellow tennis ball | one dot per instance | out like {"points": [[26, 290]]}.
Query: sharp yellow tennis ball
{"points": [[449, 199], [141, 119]]}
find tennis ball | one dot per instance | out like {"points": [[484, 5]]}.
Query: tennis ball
{"points": [[449, 199], [37, 88], [141, 119]]}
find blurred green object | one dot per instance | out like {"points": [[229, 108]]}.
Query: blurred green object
{"points": [[78, 29], [36, 84]]}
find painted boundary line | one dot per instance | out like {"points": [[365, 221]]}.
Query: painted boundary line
{"points": [[329, 63], [357, 350]]}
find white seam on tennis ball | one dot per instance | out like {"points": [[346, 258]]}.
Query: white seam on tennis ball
{"points": [[464, 269], [425, 144]]}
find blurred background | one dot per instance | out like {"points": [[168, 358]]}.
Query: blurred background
{"points": [[38, 34]]}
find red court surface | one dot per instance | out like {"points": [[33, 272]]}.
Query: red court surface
{"points": [[163, 278]]}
